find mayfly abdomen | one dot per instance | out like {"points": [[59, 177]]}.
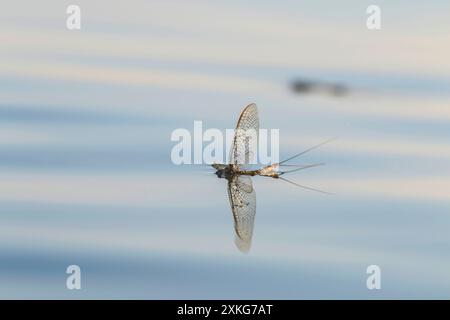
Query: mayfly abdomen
{"points": [[269, 171]]}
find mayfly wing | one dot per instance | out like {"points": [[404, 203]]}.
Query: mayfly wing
{"points": [[245, 139], [243, 205]]}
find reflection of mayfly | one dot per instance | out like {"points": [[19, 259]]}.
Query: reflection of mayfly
{"points": [[240, 190]]}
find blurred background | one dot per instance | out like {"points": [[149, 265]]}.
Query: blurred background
{"points": [[85, 170]]}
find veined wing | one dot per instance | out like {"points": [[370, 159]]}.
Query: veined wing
{"points": [[245, 138], [243, 205]]}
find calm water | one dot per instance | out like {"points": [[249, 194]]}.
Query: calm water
{"points": [[85, 170]]}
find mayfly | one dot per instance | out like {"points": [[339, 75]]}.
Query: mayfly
{"points": [[306, 86], [240, 189]]}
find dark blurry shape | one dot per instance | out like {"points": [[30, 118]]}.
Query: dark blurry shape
{"points": [[241, 194], [303, 86]]}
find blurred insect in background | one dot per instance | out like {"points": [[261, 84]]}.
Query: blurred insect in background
{"points": [[303, 86], [240, 189]]}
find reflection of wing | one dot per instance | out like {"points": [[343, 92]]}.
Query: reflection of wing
{"points": [[245, 136], [243, 204]]}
